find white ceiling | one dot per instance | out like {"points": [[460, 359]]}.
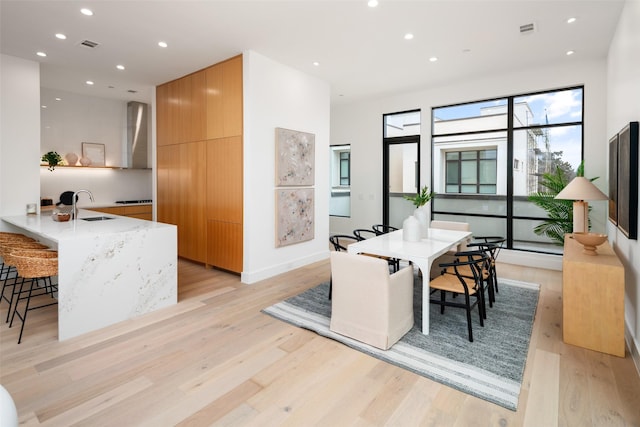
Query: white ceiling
{"points": [[361, 50]]}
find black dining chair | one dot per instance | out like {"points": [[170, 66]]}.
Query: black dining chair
{"points": [[365, 233], [383, 228], [340, 243], [457, 283], [492, 246]]}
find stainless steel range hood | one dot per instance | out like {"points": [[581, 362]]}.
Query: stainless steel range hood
{"points": [[137, 135]]}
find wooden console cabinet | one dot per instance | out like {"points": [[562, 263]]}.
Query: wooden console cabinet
{"points": [[593, 298]]}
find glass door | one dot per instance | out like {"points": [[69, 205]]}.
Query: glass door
{"points": [[402, 178]]}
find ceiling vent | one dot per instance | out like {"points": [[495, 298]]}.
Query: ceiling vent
{"points": [[527, 28], [132, 91], [89, 43]]}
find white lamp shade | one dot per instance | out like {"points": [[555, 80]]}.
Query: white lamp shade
{"points": [[580, 188]]}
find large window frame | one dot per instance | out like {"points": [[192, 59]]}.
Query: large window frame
{"points": [[508, 160]]}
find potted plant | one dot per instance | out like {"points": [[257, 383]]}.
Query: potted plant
{"points": [[422, 197], [52, 158], [560, 220]]}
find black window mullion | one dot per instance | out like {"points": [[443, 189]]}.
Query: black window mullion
{"points": [[510, 149]]}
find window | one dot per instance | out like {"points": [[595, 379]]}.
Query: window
{"points": [[345, 167], [340, 164], [400, 165], [471, 172], [489, 156]]}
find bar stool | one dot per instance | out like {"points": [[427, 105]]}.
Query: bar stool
{"points": [[9, 267], [7, 237], [35, 265]]}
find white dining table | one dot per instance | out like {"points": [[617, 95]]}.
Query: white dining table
{"points": [[421, 253]]}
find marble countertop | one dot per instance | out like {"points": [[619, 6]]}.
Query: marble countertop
{"points": [[45, 226]]}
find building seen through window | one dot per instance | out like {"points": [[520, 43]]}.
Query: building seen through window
{"points": [[489, 156]]}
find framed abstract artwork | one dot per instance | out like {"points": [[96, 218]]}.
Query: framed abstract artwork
{"points": [[295, 158], [93, 152], [628, 180], [294, 215]]}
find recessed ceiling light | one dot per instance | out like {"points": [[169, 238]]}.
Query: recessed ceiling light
{"points": [[571, 20], [87, 12], [408, 36], [89, 82], [41, 54], [44, 106], [372, 3], [162, 44], [61, 36], [570, 52], [120, 67], [433, 59], [58, 99], [316, 63]]}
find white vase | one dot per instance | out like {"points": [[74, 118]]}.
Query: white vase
{"points": [[411, 229], [71, 158], [85, 161], [422, 215]]}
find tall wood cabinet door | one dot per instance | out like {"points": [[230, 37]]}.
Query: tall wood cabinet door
{"points": [[232, 96], [162, 115], [224, 99], [167, 194], [174, 114], [224, 179], [181, 196], [192, 243], [215, 106], [224, 245], [197, 124]]}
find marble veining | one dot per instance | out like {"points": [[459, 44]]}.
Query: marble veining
{"points": [[108, 271]]}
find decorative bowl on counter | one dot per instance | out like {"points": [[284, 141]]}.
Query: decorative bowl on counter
{"points": [[61, 216], [590, 241]]}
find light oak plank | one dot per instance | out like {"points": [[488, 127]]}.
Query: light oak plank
{"points": [[215, 359]]}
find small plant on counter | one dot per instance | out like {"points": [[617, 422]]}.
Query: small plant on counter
{"points": [[421, 198], [52, 158]]}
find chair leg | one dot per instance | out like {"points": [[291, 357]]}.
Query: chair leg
{"points": [[468, 310], [442, 298], [330, 287]]}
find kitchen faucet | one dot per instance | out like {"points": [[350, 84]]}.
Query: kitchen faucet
{"points": [[74, 210]]}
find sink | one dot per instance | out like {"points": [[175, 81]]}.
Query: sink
{"points": [[98, 218]]}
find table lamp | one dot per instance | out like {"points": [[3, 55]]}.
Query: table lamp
{"points": [[580, 190]]}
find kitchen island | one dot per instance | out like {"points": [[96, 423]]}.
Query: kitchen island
{"points": [[108, 270]]}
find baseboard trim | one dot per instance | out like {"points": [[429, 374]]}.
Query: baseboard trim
{"points": [[531, 259], [634, 348], [256, 276]]}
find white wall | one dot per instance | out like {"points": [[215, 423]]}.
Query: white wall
{"points": [[19, 135], [106, 185], [360, 124], [74, 119], [279, 96], [623, 106]]}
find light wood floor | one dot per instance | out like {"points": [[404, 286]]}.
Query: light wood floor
{"points": [[215, 359]]}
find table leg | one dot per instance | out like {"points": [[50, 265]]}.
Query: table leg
{"points": [[425, 267]]}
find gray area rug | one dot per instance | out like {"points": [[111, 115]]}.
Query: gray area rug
{"points": [[491, 367]]}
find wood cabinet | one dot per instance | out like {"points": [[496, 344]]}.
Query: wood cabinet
{"points": [[182, 195], [224, 99], [181, 115], [593, 298], [132, 211], [199, 163]]}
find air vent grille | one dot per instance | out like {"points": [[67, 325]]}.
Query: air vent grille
{"points": [[89, 43], [132, 91], [527, 28]]}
